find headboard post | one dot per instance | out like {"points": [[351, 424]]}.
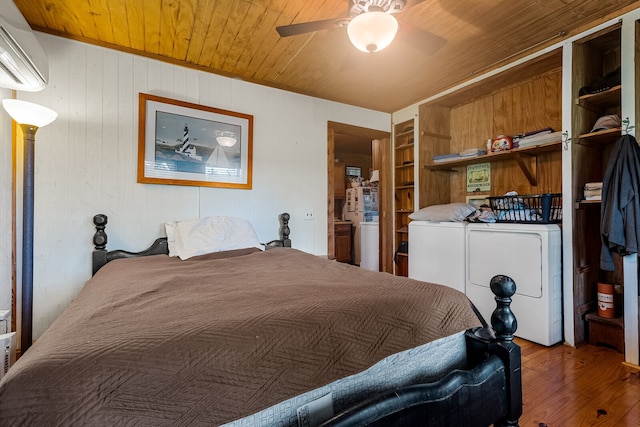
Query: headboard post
{"points": [[284, 241], [285, 231], [99, 255]]}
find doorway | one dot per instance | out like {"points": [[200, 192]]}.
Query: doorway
{"points": [[365, 150]]}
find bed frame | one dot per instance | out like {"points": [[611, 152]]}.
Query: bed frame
{"points": [[489, 392], [160, 246]]}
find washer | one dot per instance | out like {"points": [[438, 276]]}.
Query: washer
{"points": [[370, 246], [437, 253], [531, 254]]}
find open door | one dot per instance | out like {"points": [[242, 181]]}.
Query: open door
{"points": [[380, 149]]}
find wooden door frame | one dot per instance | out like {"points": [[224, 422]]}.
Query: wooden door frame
{"points": [[384, 154], [330, 193]]}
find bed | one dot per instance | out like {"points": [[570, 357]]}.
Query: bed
{"points": [[251, 337]]}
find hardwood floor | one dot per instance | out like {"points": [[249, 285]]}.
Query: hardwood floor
{"points": [[583, 386]]}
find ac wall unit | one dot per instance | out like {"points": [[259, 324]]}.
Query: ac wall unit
{"points": [[8, 351], [23, 62]]}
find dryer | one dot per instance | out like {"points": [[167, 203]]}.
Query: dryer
{"points": [[437, 253], [531, 254]]}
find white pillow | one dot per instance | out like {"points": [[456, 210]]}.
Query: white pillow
{"points": [[452, 212], [206, 235]]}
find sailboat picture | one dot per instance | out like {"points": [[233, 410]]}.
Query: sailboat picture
{"points": [[189, 144]]}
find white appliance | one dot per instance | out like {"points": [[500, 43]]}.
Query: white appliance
{"points": [[362, 199], [23, 62], [5, 321], [437, 253], [370, 245], [361, 205], [8, 351], [531, 254]]}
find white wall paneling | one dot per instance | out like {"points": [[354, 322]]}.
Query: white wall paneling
{"points": [[86, 163], [5, 207]]}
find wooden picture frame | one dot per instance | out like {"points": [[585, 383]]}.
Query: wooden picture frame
{"points": [[478, 200], [182, 143]]}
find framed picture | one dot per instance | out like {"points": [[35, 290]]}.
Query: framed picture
{"points": [[478, 200], [181, 143], [479, 177]]}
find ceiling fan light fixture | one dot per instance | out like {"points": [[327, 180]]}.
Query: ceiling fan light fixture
{"points": [[372, 31]]}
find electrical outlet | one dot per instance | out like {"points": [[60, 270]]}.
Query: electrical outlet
{"points": [[308, 214]]}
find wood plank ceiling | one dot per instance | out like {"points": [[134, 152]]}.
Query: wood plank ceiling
{"points": [[238, 38]]}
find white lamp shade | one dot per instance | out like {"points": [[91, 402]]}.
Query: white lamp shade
{"points": [[28, 113], [372, 31]]}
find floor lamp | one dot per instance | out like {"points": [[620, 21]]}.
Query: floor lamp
{"points": [[30, 117]]}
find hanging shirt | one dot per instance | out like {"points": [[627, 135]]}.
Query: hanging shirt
{"points": [[620, 208]]}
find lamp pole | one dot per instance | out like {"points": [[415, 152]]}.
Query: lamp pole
{"points": [[29, 132], [30, 117]]}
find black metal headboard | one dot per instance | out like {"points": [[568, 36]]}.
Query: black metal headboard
{"points": [[101, 255]]}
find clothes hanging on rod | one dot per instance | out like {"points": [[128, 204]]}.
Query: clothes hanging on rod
{"points": [[620, 205]]}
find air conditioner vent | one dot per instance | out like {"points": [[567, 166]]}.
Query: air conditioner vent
{"points": [[23, 63], [9, 73]]}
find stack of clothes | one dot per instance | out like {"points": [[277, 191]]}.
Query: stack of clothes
{"points": [[593, 191], [536, 137], [469, 152]]}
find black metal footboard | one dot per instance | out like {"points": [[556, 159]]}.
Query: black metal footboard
{"points": [[489, 392]]}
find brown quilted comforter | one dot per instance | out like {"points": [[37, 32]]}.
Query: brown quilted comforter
{"points": [[160, 341]]}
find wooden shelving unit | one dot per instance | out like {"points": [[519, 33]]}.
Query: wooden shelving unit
{"points": [[404, 188], [590, 151]]}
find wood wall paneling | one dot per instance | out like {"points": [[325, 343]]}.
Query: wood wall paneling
{"points": [[532, 104], [434, 139]]}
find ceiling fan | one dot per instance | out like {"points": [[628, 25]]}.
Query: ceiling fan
{"points": [[372, 26]]}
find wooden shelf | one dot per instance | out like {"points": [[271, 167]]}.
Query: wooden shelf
{"points": [[497, 156], [602, 137], [605, 331], [404, 146], [405, 165], [587, 203], [404, 133], [601, 100], [515, 154]]}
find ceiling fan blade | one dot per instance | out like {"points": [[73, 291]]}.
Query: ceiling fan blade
{"points": [[309, 27], [422, 40]]}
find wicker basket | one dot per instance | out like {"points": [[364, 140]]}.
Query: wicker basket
{"points": [[529, 209]]}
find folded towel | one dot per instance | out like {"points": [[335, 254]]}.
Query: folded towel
{"points": [[591, 193], [593, 186], [471, 152], [443, 157]]}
